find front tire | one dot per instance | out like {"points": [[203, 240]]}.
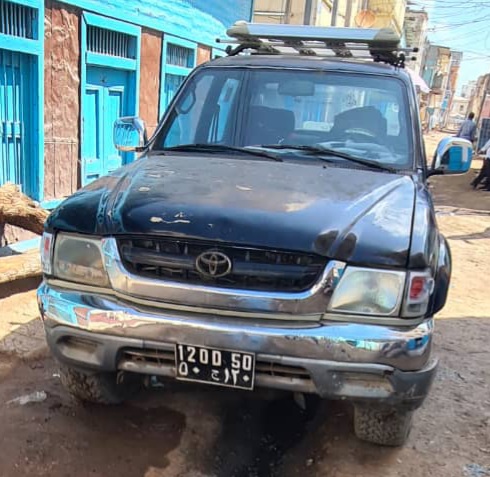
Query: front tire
{"points": [[381, 425], [100, 388]]}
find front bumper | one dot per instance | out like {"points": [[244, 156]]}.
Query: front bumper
{"points": [[332, 359]]}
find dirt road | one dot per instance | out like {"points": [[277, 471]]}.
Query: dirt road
{"points": [[194, 431]]}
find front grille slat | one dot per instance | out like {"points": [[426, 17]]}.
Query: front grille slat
{"points": [[167, 358], [156, 258], [273, 271], [252, 269]]}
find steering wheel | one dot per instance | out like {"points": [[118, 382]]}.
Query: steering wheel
{"points": [[362, 135]]}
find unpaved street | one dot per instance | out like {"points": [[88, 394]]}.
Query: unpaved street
{"points": [[181, 430]]}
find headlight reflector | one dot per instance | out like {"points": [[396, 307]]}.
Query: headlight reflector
{"points": [[79, 259], [369, 292]]}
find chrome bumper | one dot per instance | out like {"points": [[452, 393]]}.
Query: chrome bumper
{"points": [[332, 359]]}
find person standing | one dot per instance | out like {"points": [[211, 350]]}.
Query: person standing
{"points": [[485, 170], [468, 129]]}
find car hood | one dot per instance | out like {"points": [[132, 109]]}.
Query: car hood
{"points": [[356, 215]]}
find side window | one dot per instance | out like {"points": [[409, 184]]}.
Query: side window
{"points": [[189, 109], [221, 125]]}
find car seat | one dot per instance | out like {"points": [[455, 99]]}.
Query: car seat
{"points": [[366, 118], [266, 125]]}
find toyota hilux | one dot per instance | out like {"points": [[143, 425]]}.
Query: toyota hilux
{"points": [[277, 230]]}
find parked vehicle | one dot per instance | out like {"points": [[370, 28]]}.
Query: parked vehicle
{"points": [[277, 231]]}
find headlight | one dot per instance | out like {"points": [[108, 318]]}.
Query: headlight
{"points": [[368, 292], [79, 259]]}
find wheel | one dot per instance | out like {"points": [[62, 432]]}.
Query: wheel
{"points": [[383, 426], [101, 388]]}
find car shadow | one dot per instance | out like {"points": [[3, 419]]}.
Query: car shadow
{"points": [[475, 236]]}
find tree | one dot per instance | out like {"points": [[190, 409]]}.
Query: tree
{"points": [[19, 210]]}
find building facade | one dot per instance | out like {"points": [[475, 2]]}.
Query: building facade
{"points": [[468, 89], [458, 112], [388, 14], [415, 31], [436, 73], [452, 82], [480, 105], [340, 13], [295, 12], [343, 13], [69, 69]]}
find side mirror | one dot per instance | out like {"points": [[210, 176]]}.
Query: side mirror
{"points": [[453, 156], [129, 134]]}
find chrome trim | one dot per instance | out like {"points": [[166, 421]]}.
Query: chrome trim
{"points": [[148, 303], [141, 303], [313, 301], [405, 348], [209, 263]]}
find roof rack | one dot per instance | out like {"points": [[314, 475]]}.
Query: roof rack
{"points": [[381, 45]]}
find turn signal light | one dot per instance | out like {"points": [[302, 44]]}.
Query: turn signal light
{"points": [[417, 287]]}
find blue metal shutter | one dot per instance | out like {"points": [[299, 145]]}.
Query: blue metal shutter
{"points": [[17, 20], [110, 42], [179, 63], [16, 101], [15, 120], [180, 56]]}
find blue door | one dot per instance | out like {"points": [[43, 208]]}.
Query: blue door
{"points": [[16, 102], [105, 100]]}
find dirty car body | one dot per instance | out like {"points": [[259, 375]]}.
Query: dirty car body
{"points": [[234, 253]]}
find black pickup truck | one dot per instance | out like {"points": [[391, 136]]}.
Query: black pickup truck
{"points": [[276, 231]]}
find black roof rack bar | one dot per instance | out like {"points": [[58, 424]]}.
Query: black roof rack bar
{"points": [[318, 45]]}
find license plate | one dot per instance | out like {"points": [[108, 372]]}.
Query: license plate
{"points": [[215, 366]]}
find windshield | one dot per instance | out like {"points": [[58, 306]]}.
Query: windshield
{"points": [[361, 116]]}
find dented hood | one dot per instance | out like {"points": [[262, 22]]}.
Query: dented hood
{"points": [[357, 215]]}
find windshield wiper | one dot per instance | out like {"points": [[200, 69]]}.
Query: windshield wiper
{"points": [[319, 151], [223, 148]]}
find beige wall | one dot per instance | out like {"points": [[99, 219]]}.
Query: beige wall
{"points": [[346, 13], [389, 13], [459, 106], [277, 11]]}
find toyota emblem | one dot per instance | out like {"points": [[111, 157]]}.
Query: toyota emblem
{"points": [[213, 264]]}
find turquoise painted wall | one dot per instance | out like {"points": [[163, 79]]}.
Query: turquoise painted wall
{"points": [[198, 20]]}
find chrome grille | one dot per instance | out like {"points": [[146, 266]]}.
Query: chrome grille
{"points": [[252, 269]]}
